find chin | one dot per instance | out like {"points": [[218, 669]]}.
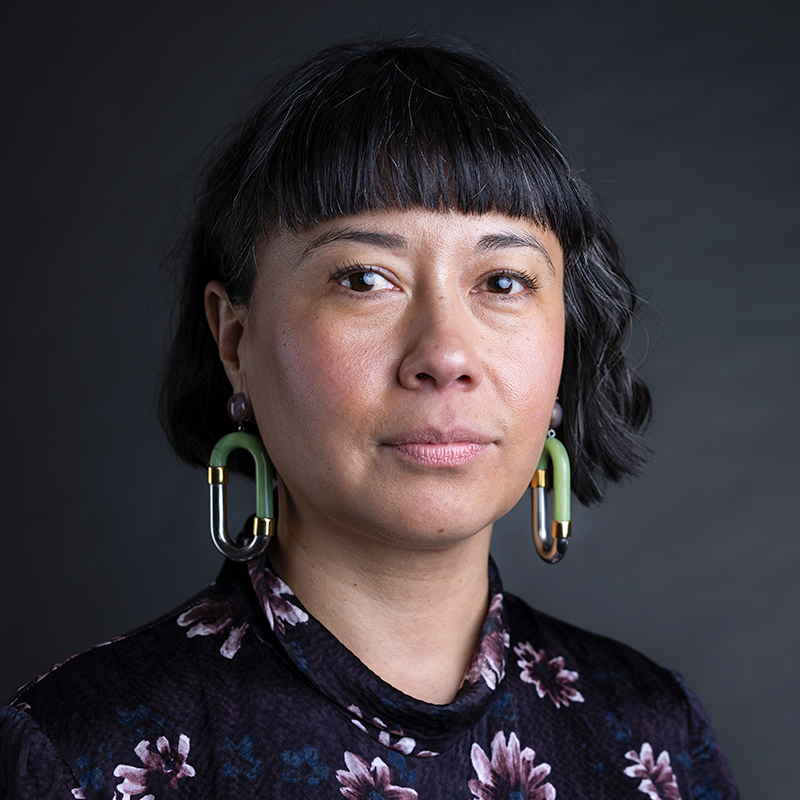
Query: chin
{"points": [[436, 530]]}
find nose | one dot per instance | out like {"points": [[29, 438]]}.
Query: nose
{"points": [[442, 348]]}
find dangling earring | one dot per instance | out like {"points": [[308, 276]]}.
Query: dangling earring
{"points": [[239, 409], [551, 545], [264, 521]]}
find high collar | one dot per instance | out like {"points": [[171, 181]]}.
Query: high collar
{"points": [[403, 723]]}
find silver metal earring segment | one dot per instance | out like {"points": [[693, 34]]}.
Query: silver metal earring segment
{"points": [[553, 471], [264, 520]]}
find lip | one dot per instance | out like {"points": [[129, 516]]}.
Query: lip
{"points": [[434, 448]]}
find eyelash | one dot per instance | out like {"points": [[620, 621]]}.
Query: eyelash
{"points": [[353, 268], [528, 281]]}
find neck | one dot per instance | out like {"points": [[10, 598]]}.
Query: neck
{"points": [[413, 616]]}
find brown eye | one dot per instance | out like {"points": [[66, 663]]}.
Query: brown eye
{"points": [[504, 284], [364, 281]]}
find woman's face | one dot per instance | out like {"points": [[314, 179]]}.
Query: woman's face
{"points": [[402, 367]]}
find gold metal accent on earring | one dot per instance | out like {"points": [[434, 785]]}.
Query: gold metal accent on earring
{"points": [[562, 530], [217, 475], [541, 478], [263, 526]]}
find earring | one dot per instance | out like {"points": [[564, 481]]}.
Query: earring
{"points": [[551, 545], [264, 520], [239, 409]]}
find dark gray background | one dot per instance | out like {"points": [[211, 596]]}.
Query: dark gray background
{"points": [[684, 118]]}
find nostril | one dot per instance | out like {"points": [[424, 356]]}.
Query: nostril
{"points": [[422, 376], [463, 378]]}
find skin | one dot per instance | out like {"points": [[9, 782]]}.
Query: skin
{"points": [[402, 367]]}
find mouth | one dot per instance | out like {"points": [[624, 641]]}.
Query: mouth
{"points": [[432, 448]]}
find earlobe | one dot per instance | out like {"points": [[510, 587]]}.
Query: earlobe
{"points": [[228, 332]]}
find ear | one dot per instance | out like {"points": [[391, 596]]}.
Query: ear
{"points": [[228, 330]]}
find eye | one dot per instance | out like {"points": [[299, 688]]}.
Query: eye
{"points": [[509, 283], [362, 279]]}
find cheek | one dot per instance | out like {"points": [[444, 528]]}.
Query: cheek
{"points": [[533, 365], [324, 370], [531, 376]]}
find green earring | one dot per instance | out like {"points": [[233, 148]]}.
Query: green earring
{"points": [[553, 470], [264, 521]]}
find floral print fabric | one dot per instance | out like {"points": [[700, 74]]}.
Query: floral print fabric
{"points": [[362, 781], [243, 694], [658, 779], [510, 772], [173, 766], [548, 676]]}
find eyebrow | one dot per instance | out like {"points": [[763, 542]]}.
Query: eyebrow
{"points": [[387, 241], [500, 241], [393, 241]]}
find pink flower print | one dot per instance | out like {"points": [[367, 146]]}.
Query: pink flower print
{"points": [[510, 773], [362, 781], [212, 615], [393, 739], [277, 608], [549, 677], [489, 661], [161, 767], [657, 778]]}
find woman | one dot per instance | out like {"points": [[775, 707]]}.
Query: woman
{"points": [[392, 275]]}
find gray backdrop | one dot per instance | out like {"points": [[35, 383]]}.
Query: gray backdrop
{"points": [[684, 118]]}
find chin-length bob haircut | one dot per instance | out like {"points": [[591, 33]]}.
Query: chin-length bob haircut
{"points": [[399, 124]]}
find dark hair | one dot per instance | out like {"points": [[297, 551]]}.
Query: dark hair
{"points": [[396, 124]]}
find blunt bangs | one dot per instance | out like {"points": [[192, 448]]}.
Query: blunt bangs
{"points": [[412, 126]]}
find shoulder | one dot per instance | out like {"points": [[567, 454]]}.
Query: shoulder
{"points": [[621, 674], [112, 704], [30, 767], [645, 723], [142, 703], [122, 666]]}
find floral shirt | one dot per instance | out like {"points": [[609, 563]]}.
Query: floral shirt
{"points": [[242, 694]]}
